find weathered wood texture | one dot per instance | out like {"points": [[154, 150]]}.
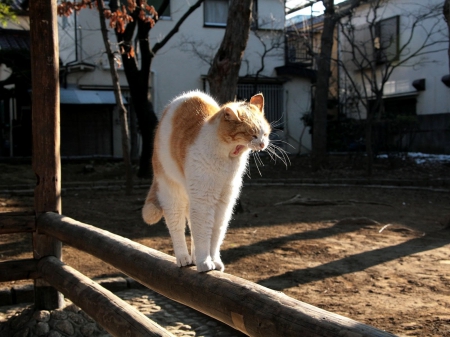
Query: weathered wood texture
{"points": [[18, 270], [248, 307], [115, 315], [17, 222], [46, 134]]}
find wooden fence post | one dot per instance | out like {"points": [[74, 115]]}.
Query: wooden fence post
{"points": [[46, 136]]}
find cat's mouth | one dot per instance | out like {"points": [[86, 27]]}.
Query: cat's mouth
{"points": [[237, 150]]}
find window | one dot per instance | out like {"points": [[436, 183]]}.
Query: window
{"points": [[157, 4], [298, 48], [215, 13], [386, 44], [273, 99]]}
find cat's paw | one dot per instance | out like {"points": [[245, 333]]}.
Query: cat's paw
{"points": [[184, 260], [219, 264], [206, 265]]}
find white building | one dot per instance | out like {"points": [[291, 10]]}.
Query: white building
{"points": [[409, 37], [88, 123]]}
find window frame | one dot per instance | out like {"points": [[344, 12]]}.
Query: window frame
{"points": [[214, 24], [383, 54]]}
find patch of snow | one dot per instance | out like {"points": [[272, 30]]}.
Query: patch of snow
{"points": [[421, 158]]}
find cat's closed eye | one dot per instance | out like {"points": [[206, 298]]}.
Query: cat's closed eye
{"points": [[255, 137]]}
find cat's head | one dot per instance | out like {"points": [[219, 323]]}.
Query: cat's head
{"points": [[244, 127]]}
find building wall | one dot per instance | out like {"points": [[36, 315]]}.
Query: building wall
{"points": [[177, 67], [298, 103], [431, 66], [432, 103]]}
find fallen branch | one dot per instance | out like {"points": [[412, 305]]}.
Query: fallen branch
{"points": [[299, 200]]}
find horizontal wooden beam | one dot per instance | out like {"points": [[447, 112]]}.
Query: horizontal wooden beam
{"points": [[115, 315], [17, 222], [18, 270], [243, 305]]}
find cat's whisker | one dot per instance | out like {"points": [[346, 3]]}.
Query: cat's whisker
{"points": [[282, 141], [283, 152], [282, 156], [269, 153], [276, 123], [256, 163], [259, 158], [278, 156]]}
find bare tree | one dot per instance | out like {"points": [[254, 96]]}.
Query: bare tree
{"points": [[373, 50], [224, 72], [123, 113], [138, 32], [133, 21], [271, 42], [446, 11], [319, 136]]}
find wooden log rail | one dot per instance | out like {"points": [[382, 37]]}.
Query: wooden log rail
{"points": [[24, 269], [243, 305], [17, 222], [117, 316]]}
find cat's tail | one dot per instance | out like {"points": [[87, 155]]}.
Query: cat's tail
{"points": [[152, 211]]}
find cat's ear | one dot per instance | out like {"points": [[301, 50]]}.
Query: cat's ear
{"points": [[258, 100], [230, 114]]}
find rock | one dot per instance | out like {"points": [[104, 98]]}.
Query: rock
{"points": [[88, 329], [22, 333], [76, 318], [54, 333], [59, 314], [65, 327], [41, 329], [42, 315]]}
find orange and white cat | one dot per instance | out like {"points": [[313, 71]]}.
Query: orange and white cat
{"points": [[200, 154]]}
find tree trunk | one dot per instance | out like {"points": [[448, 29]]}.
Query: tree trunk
{"points": [[138, 79], [447, 18], [319, 137], [118, 95], [224, 72], [138, 82]]}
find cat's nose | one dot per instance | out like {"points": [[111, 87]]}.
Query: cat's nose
{"points": [[261, 145]]}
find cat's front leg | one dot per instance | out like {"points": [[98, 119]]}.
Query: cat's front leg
{"points": [[223, 213], [201, 222]]}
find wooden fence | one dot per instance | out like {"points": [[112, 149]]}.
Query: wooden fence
{"points": [[243, 305]]}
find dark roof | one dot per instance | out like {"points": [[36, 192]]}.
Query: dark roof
{"points": [[14, 39]]}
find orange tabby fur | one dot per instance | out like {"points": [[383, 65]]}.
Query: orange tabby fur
{"points": [[200, 154]]}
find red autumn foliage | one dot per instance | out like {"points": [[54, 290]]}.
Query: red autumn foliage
{"points": [[118, 19]]}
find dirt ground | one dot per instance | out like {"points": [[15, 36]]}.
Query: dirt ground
{"points": [[377, 255]]}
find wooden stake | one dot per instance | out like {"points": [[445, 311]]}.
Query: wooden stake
{"points": [[46, 135]]}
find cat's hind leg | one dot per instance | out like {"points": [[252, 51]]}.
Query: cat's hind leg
{"points": [[174, 203]]}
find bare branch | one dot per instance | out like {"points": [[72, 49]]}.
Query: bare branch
{"points": [[175, 29]]}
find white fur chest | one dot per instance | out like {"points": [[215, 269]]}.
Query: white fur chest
{"points": [[209, 156]]}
